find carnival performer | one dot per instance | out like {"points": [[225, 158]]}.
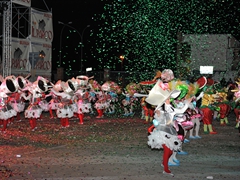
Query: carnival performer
{"points": [[224, 107], [44, 104], [101, 101], [101, 104], [98, 98], [196, 116], [83, 105], [92, 98], [34, 111], [207, 107], [129, 102], [158, 138], [182, 121], [155, 95], [82, 97], [169, 82], [147, 109], [18, 103], [55, 100], [66, 107], [8, 85], [53, 105], [112, 90]]}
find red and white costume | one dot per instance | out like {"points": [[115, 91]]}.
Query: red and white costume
{"points": [[164, 135], [34, 111], [101, 103], [8, 86], [82, 97], [66, 107], [55, 100]]}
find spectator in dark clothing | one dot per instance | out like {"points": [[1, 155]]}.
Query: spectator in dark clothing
{"points": [[229, 82], [223, 82]]}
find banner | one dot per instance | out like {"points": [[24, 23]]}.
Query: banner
{"points": [[41, 26], [20, 55], [40, 59], [23, 2]]}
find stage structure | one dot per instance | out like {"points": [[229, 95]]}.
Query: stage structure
{"points": [[26, 39]]}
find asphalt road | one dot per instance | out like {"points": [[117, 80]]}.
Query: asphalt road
{"points": [[211, 157]]}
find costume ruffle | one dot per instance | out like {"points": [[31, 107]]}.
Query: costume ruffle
{"points": [[7, 112], [33, 111], [65, 111], [157, 138]]}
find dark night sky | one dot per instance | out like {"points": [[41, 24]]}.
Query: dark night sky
{"points": [[79, 12]]}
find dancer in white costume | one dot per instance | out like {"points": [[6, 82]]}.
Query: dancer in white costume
{"points": [[101, 104], [82, 97], [17, 103], [66, 108], [164, 135], [44, 103], [34, 111], [55, 101], [9, 85]]}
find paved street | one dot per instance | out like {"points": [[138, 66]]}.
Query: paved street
{"points": [[211, 157]]}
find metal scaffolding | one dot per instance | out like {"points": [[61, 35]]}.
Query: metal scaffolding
{"points": [[6, 12], [15, 20]]}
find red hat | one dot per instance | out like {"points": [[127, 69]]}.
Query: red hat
{"points": [[202, 81], [210, 81]]}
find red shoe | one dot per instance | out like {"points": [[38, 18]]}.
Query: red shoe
{"points": [[213, 132]]}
